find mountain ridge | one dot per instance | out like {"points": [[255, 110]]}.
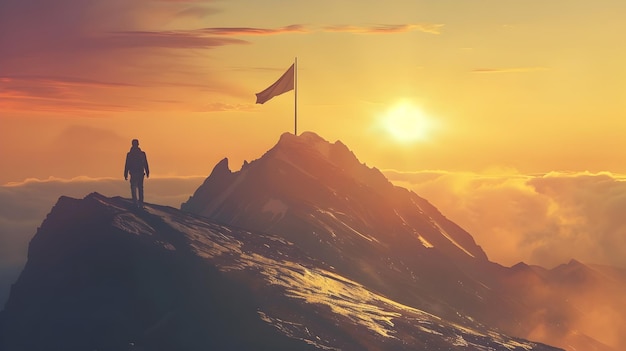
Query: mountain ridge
{"points": [[318, 195], [316, 161], [163, 279]]}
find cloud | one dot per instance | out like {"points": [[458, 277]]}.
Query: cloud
{"points": [[510, 70], [92, 26], [162, 39], [544, 219], [294, 28], [197, 12], [93, 55], [24, 205], [19, 81], [51, 93], [220, 106], [299, 28], [387, 28]]}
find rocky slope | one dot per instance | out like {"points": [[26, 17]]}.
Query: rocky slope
{"points": [[102, 275], [319, 196]]}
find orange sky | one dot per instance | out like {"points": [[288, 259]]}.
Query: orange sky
{"points": [[509, 89], [531, 85]]}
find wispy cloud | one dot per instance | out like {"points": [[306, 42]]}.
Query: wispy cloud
{"points": [[52, 93], [197, 12], [510, 70], [294, 28], [25, 103], [101, 56], [54, 80], [387, 28], [92, 56], [300, 28], [221, 106], [165, 39]]}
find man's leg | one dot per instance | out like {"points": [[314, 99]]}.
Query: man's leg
{"points": [[133, 188], [140, 188]]}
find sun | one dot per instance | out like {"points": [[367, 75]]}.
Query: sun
{"points": [[406, 123]]}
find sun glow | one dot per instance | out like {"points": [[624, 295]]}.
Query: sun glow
{"points": [[406, 123]]}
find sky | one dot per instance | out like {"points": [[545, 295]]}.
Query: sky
{"points": [[506, 115]]}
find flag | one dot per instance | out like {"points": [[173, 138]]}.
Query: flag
{"points": [[282, 85]]}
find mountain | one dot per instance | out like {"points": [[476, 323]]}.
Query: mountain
{"points": [[103, 275], [303, 248], [319, 196], [311, 188]]}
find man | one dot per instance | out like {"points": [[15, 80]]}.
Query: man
{"points": [[137, 166]]}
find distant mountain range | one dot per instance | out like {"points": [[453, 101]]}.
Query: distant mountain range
{"points": [[304, 248]]}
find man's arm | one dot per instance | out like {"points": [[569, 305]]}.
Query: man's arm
{"points": [[126, 168], [145, 159]]}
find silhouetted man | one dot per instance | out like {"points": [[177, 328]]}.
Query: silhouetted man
{"points": [[137, 166]]}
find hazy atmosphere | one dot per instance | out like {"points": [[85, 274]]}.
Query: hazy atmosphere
{"points": [[507, 116]]}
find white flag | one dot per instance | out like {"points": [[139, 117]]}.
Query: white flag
{"points": [[282, 85]]}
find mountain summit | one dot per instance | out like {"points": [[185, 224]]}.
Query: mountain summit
{"points": [[309, 189], [319, 196]]}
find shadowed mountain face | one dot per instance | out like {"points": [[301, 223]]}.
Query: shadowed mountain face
{"points": [[311, 189], [102, 275], [318, 195]]}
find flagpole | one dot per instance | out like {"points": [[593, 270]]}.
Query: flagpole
{"points": [[295, 86]]}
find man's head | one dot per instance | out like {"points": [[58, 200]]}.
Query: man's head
{"points": [[135, 142]]}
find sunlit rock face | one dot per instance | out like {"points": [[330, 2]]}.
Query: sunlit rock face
{"points": [[346, 214], [102, 275], [319, 196], [314, 190]]}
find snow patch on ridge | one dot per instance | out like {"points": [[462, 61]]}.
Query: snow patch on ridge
{"points": [[345, 225], [130, 223], [424, 242], [276, 207], [206, 239], [447, 236]]}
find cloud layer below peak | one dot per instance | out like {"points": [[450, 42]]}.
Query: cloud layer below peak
{"points": [[544, 219]]}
